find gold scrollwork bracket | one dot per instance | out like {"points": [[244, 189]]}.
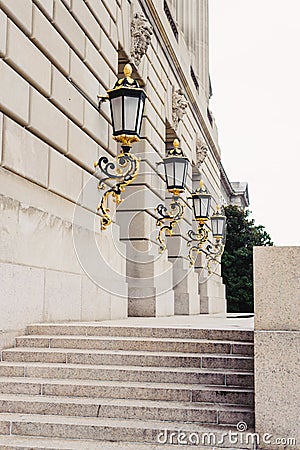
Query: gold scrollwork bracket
{"points": [[124, 171], [213, 253], [173, 216], [200, 238]]}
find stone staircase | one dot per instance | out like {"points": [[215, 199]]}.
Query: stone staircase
{"points": [[90, 386]]}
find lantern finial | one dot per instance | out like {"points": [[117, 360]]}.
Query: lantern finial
{"points": [[127, 70], [176, 143]]}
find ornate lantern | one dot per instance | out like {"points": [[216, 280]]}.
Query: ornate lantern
{"points": [[176, 165], [201, 203], [127, 101], [218, 224]]}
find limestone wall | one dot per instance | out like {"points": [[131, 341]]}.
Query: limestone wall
{"points": [[277, 342], [56, 57]]}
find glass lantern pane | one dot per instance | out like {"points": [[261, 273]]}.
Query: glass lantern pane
{"points": [[179, 173], [220, 226], [196, 204], [169, 171], [214, 226], [140, 115], [116, 109], [130, 112], [204, 207]]}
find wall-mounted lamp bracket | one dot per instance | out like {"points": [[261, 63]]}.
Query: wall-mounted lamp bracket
{"points": [[199, 238], [213, 252], [102, 99], [173, 216], [124, 171]]}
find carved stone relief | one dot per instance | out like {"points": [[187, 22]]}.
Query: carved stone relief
{"points": [[179, 105], [201, 151], [141, 32]]}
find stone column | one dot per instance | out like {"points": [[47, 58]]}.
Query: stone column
{"points": [[186, 295], [149, 274], [211, 287], [276, 345]]}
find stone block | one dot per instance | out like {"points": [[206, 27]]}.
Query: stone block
{"points": [[3, 30], [65, 177], [100, 13], [45, 36], [109, 52], [28, 227], [120, 29], [46, 6], [1, 136], [95, 125], [24, 153], [100, 254], [277, 288], [30, 62], [20, 12], [69, 28], [119, 305], [138, 197], [212, 295], [9, 220], [90, 193], [97, 64], [165, 304], [83, 77], [137, 224], [139, 306], [276, 381], [62, 296], [47, 121], [21, 298], [38, 230], [66, 97], [96, 302], [14, 94], [113, 34], [112, 8], [81, 148], [87, 21]]}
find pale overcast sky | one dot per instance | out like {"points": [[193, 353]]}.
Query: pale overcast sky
{"points": [[255, 74]]}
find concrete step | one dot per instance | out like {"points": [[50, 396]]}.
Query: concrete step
{"points": [[217, 414], [96, 329], [127, 373], [137, 431], [137, 343], [118, 389], [40, 443], [134, 358]]}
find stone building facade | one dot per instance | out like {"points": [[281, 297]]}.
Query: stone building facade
{"points": [[57, 56]]}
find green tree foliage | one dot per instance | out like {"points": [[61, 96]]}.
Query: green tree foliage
{"points": [[237, 260]]}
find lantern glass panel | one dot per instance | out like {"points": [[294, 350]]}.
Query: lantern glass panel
{"points": [[201, 205], [117, 113], [218, 225], [205, 202], [196, 206], [130, 112], [140, 115], [169, 172], [180, 173]]}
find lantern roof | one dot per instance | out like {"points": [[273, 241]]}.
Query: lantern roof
{"points": [[201, 190], [175, 151]]}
